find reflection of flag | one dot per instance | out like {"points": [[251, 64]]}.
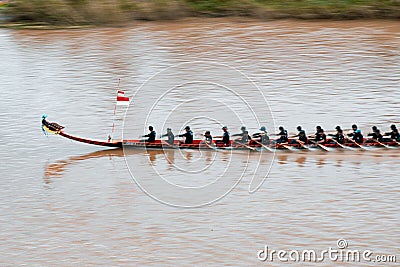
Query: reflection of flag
{"points": [[122, 100]]}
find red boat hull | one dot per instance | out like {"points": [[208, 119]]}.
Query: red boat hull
{"points": [[200, 144]]}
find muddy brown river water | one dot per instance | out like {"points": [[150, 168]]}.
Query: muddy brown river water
{"points": [[71, 204]]}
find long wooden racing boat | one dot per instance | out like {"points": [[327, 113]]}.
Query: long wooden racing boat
{"points": [[56, 128]]}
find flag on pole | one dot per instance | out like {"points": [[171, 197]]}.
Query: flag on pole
{"points": [[122, 100]]}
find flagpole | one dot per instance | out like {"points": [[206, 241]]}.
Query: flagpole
{"points": [[115, 109]]}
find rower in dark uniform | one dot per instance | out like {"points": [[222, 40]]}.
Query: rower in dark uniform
{"points": [[302, 135], [264, 138], [356, 134], [320, 136], [208, 137], [374, 128], [394, 134], [339, 136], [225, 136], [243, 129], [245, 138], [170, 135], [283, 135], [188, 135], [376, 134], [151, 137]]}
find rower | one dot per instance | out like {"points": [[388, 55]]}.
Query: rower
{"points": [[264, 138], [208, 137], [151, 136], [245, 138], [243, 129], [356, 134], [394, 134], [302, 135], [188, 135], [320, 136], [376, 134], [170, 135], [374, 128], [339, 136], [283, 135], [225, 136]]}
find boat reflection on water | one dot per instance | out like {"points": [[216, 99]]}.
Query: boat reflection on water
{"points": [[57, 169], [169, 157]]}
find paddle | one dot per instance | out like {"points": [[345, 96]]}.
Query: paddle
{"points": [[208, 145], [285, 145], [385, 146], [249, 147], [303, 144], [339, 144], [320, 145], [343, 146], [168, 144], [357, 144], [394, 140], [264, 146]]}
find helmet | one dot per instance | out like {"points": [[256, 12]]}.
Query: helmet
{"points": [[319, 127], [354, 126], [243, 128], [151, 128], [374, 128], [44, 116], [207, 132], [224, 127], [338, 128], [187, 128], [393, 126], [263, 128], [169, 129], [299, 128], [281, 128]]}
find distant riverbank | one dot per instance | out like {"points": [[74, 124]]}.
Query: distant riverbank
{"points": [[115, 12]]}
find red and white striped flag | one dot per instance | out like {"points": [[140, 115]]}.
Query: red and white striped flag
{"points": [[122, 100]]}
